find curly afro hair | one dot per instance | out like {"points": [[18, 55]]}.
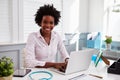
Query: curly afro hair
{"points": [[47, 10]]}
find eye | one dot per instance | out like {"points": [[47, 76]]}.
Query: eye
{"points": [[45, 22], [52, 22]]}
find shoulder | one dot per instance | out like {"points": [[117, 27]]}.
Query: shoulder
{"points": [[31, 37], [56, 34], [33, 34]]}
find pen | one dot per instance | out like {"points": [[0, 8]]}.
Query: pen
{"points": [[77, 77], [96, 76]]}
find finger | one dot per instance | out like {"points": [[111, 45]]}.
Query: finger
{"points": [[61, 69], [64, 66]]}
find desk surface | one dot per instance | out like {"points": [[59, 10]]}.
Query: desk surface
{"points": [[100, 70]]}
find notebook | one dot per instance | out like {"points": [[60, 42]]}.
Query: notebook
{"points": [[79, 61], [86, 77]]}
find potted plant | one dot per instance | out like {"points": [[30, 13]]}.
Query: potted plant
{"points": [[6, 68], [108, 42]]}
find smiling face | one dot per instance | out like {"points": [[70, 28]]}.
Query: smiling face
{"points": [[47, 24]]}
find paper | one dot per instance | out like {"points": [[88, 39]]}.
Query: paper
{"points": [[92, 36], [85, 77]]}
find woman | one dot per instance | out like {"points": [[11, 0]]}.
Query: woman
{"points": [[42, 46]]}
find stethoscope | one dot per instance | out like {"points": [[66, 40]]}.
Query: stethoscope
{"points": [[46, 72]]}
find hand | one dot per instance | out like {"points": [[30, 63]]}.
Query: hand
{"points": [[66, 60], [60, 66]]}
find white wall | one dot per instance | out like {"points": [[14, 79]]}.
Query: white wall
{"points": [[96, 13], [83, 18], [68, 10], [90, 15]]}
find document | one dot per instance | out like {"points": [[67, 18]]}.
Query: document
{"points": [[85, 77]]}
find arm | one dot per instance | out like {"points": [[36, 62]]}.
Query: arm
{"points": [[105, 60], [62, 49], [59, 66], [30, 60]]}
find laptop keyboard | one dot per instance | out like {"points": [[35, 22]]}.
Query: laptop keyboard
{"points": [[55, 70]]}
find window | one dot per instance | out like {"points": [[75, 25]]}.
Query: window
{"points": [[5, 35], [112, 19], [111, 27], [74, 16], [17, 19]]}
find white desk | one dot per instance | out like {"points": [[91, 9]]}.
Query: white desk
{"points": [[100, 70]]}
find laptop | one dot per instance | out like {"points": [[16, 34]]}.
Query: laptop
{"points": [[79, 61]]}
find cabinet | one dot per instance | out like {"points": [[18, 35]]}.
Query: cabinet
{"points": [[14, 51]]}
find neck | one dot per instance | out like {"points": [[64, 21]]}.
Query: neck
{"points": [[44, 34]]}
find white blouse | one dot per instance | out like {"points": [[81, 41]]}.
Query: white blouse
{"points": [[38, 52]]}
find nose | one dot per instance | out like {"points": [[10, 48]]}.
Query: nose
{"points": [[48, 24]]}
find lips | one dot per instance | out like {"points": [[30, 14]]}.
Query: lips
{"points": [[47, 29]]}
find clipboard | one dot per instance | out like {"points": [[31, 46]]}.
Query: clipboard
{"points": [[21, 72]]}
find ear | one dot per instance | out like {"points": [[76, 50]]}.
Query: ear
{"points": [[39, 24]]}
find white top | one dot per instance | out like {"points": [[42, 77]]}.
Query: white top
{"points": [[38, 52]]}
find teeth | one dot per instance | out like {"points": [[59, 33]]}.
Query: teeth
{"points": [[47, 29]]}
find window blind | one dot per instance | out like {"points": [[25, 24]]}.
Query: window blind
{"points": [[5, 23]]}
